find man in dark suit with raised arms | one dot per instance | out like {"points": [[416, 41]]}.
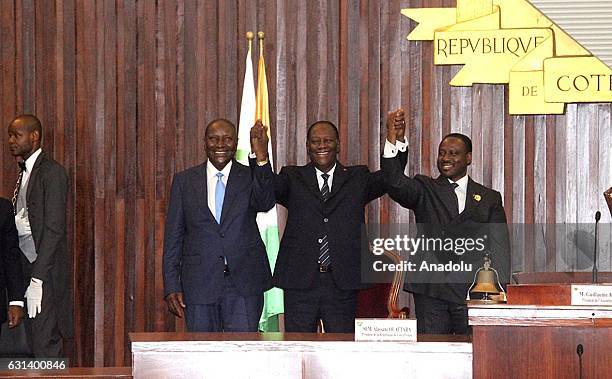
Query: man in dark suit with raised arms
{"points": [[215, 266], [451, 204], [319, 262]]}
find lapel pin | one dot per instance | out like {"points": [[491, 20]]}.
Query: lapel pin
{"points": [[477, 197]]}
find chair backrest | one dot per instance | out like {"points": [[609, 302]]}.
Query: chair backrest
{"points": [[396, 286]]}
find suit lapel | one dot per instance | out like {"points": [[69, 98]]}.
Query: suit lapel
{"points": [[447, 196], [472, 201], [308, 176], [235, 181], [341, 174], [200, 184], [473, 197], [34, 173]]}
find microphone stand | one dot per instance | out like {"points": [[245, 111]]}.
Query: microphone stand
{"points": [[597, 218]]}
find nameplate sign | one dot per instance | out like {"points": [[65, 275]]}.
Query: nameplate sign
{"points": [[592, 294], [385, 329]]}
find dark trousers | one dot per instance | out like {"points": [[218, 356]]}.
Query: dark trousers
{"points": [[436, 316], [335, 307], [43, 330], [230, 313]]}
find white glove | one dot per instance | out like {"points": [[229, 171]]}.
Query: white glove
{"points": [[23, 224], [34, 296]]}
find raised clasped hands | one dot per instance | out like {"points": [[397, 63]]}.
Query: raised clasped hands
{"points": [[396, 125], [259, 141]]}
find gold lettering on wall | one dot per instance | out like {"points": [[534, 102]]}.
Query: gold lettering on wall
{"points": [[510, 41]]}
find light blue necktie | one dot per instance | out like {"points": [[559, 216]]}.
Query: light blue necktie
{"points": [[219, 195]]}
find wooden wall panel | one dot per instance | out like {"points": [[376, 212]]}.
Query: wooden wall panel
{"points": [[125, 88]]}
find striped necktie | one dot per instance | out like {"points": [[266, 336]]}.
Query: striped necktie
{"points": [[324, 258]]}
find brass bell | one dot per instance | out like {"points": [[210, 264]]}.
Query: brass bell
{"points": [[486, 281]]}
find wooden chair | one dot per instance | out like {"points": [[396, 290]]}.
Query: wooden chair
{"points": [[393, 297]]}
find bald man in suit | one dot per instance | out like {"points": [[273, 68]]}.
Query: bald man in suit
{"points": [[40, 217], [215, 265]]}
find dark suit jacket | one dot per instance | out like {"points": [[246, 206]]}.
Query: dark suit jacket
{"points": [[11, 277], [341, 218], [435, 207], [195, 244], [46, 200]]}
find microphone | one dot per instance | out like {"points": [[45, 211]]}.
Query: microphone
{"points": [[597, 218], [580, 351]]}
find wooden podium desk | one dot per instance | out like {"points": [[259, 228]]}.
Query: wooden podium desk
{"points": [[536, 341], [296, 355]]}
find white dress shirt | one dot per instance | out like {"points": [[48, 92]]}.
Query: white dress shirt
{"points": [[29, 166], [329, 180], [461, 192], [391, 150]]}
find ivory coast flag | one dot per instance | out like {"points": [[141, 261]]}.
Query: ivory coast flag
{"points": [[247, 112], [256, 108]]}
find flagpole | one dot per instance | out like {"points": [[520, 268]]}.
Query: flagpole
{"points": [[267, 222], [261, 108], [259, 105], [250, 36], [260, 36]]}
